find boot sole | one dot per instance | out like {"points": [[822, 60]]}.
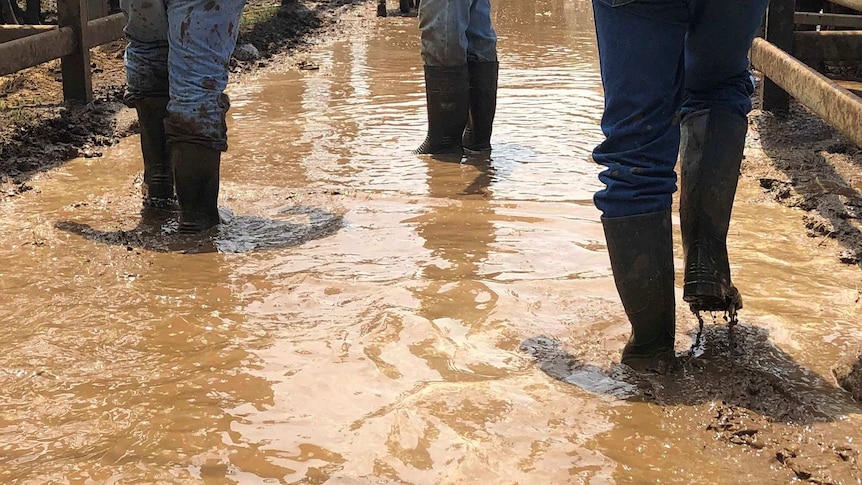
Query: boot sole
{"points": [[477, 150], [662, 362], [711, 297], [451, 150], [195, 222], [160, 203]]}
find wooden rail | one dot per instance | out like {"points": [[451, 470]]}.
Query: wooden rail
{"points": [[825, 97], [70, 41], [789, 61]]}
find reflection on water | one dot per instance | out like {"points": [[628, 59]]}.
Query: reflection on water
{"points": [[369, 315]]}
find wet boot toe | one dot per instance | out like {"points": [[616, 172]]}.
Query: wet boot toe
{"points": [[659, 360]]}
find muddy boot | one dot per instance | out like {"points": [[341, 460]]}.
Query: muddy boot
{"points": [[711, 154], [447, 91], [196, 170], [641, 253], [483, 105], [158, 186]]}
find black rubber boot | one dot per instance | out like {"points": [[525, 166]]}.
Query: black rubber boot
{"points": [[447, 91], [483, 105], [196, 170], [158, 186], [711, 154], [641, 254]]}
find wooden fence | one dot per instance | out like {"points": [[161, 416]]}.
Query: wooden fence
{"points": [[23, 46], [789, 59]]}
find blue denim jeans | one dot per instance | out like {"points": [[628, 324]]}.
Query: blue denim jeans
{"points": [[658, 65], [181, 49], [456, 31]]}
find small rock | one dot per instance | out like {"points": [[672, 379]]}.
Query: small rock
{"points": [[848, 373], [307, 65], [246, 53], [849, 257]]}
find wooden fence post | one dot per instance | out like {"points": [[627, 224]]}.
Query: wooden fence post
{"points": [[77, 79], [779, 32], [97, 9]]}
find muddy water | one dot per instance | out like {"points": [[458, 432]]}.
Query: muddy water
{"points": [[370, 316]]}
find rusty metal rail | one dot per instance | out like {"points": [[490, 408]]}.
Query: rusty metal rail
{"points": [[70, 41], [838, 106], [789, 61]]}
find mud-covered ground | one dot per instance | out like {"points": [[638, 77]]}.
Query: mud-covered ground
{"points": [[802, 162], [39, 131]]}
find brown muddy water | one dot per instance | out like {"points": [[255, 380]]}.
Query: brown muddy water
{"points": [[371, 316]]}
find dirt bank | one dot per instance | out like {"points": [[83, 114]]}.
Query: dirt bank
{"points": [[39, 131], [802, 162]]}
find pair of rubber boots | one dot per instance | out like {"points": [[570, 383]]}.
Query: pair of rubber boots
{"points": [[184, 174], [461, 102], [641, 246]]}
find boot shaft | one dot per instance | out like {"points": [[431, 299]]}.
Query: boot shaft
{"points": [[483, 105], [158, 186], [447, 94], [712, 144], [640, 248], [711, 147], [196, 170]]}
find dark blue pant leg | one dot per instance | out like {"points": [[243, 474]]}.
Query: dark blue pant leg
{"points": [[716, 55], [642, 71]]}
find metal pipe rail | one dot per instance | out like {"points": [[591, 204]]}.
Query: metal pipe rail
{"points": [[834, 104]]}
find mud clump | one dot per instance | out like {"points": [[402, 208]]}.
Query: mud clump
{"points": [[67, 134], [848, 374]]}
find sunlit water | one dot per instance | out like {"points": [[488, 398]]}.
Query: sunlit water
{"points": [[368, 315]]}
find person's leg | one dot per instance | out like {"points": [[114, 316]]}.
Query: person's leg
{"points": [[641, 64], [146, 61], [442, 27], [716, 101], [202, 36], [483, 68]]}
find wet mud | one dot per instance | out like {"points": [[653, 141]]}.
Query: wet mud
{"points": [[371, 316], [807, 165]]}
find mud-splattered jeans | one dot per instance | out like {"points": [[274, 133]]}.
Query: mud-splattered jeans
{"points": [[181, 49], [455, 31], [662, 59]]}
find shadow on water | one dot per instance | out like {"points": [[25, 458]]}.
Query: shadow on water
{"points": [[295, 225], [742, 369]]}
